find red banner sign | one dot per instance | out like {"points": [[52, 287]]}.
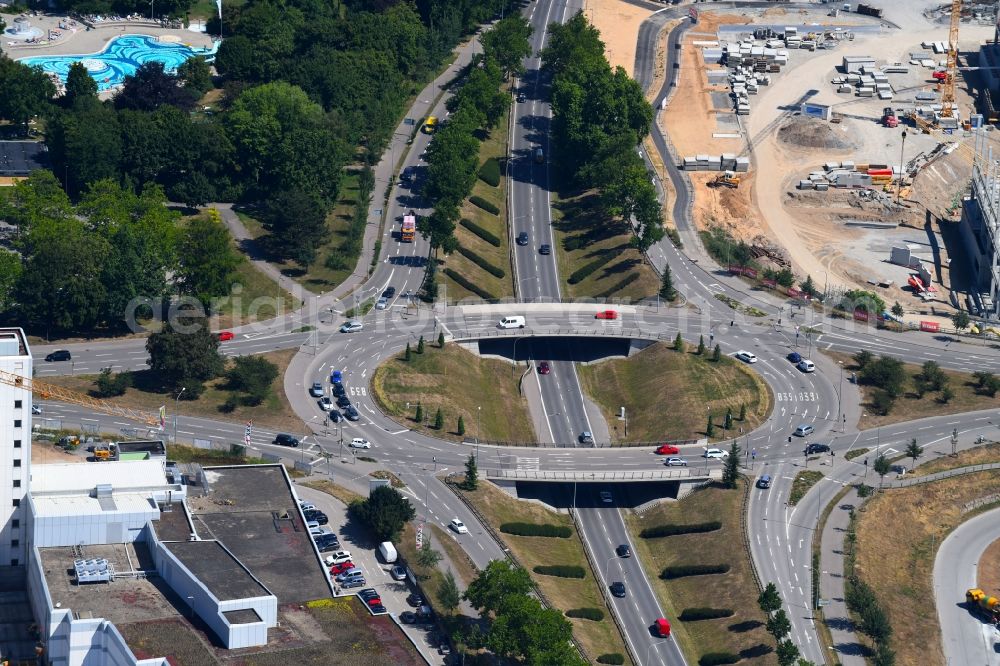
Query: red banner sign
{"points": [[861, 315], [770, 283], [930, 326]]}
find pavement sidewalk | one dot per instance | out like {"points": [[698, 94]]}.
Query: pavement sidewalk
{"points": [[831, 583]]}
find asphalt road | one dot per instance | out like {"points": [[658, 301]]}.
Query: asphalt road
{"points": [[966, 638]]}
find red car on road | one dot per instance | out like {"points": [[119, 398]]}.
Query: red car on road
{"points": [[667, 450], [224, 335], [544, 368], [607, 314]]}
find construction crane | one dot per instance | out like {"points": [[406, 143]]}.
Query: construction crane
{"points": [[951, 70], [53, 392]]}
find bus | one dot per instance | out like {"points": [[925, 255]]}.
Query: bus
{"points": [[409, 228]]}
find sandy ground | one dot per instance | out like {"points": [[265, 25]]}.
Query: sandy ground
{"points": [[619, 25], [43, 453], [989, 570]]}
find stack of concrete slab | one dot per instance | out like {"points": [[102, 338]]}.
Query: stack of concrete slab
{"points": [[853, 64], [724, 162]]}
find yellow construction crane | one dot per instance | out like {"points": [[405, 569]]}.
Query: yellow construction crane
{"points": [[53, 392], [948, 86]]}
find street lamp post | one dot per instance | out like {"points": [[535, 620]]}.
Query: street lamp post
{"points": [[902, 168], [176, 407], [479, 418], [840, 390]]}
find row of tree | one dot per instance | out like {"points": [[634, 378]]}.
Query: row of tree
{"points": [[599, 116]]}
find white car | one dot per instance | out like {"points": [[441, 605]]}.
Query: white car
{"points": [[359, 443], [351, 327], [318, 531], [458, 526], [715, 453], [307, 506], [381, 303], [675, 462], [36, 409], [805, 365], [746, 356], [339, 557], [325, 403]]}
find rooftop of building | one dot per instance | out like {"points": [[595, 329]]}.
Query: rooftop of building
{"points": [[154, 447], [173, 523], [20, 158], [217, 570], [12, 340], [121, 475], [85, 505], [252, 511]]}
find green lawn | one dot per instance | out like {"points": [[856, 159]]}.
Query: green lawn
{"points": [[458, 382], [584, 235], [668, 395]]}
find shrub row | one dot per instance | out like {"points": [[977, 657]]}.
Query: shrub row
{"points": [[671, 530], [684, 570], [716, 658], [489, 172], [475, 289], [575, 242], [629, 279], [560, 570], [485, 234], [692, 614], [580, 274], [595, 614], [488, 206], [615, 658], [495, 271], [537, 530], [874, 620]]}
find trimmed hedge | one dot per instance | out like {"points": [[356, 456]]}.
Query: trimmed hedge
{"points": [[615, 658], [560, 571], [671, 530], [485, 234], [495, 271], [629, 279], [595, 614], [571, 243], [716, 658], [475, 289], [537, 530], [580, 274], [489, 173], [692, 614], [684, 570], [488, 206]]}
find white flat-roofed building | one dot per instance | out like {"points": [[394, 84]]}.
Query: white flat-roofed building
{"points": [[15, 447]]}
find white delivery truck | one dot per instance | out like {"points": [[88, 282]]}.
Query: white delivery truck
{"points": [[388, 552]]}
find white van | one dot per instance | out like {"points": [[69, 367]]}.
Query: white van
{"points": [[388, 552], [515, 321]]}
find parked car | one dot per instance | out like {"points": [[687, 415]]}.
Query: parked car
{"points": [[407, 617], [586, 437], [318, 531], [715, 453], [545, 249], [328, 546], [307, 506], [607, 314], [804, 429], [544, 368], [355, 582], [398, 573], [795, 357], [458, 526], [284, 439], [317, 517], [359, 443], [667, 450], [746, 356], [522, 238], [618, 588], [606, 497], [224, 336], [415, 600], [316, 390], [805, 365], [675, 462], [351, 327], [325, 403], [338, 569], [764, 481], [338, 557], [623, 550], [59, 355], [817, 448], [378, 609]]}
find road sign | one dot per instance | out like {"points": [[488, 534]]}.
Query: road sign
{"points": [[420, 536]]}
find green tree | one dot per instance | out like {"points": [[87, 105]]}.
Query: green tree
{"points": [[787, 653], [882, 402], [914, 451], [897, 309], [679, 343], [863, 358], [419, 416], [110, 385], [439, 420], [881, 467], [884, 655], [933, 375], [296, 219], [471, 473], [717, 354], [420, 345], [208, 261], [729, 419], [10, 272], [441, 340], [710, 428], [384, 512], [778, 625], [150, 87], [499, 581], [252, 375], [731, 470], [79, 83], [407, 353], [961, 320], [448, 595], [27, 91], [184, 354], [809, 287], [507, 43], [461, 426], [427, 557], [667, 291], [196, 75], [785, 277], [886, 373], [743, 411], [701, 345], [769, 600], [946, 395]]}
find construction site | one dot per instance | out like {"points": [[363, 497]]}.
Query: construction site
{"points": [[855, 128]]}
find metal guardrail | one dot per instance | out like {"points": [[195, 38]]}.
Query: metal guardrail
{"points": [[745, 527], [947, 474], [586, 477], [626, 333], [595, 445]]}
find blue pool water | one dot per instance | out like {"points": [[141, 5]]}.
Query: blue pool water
{"points": [[120, 58]]}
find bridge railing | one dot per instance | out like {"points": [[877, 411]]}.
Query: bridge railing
{"points": [[596, 445], [674, 474], [467, 334]]}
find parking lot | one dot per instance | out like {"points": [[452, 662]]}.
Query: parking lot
{"points": [[393, 593]]}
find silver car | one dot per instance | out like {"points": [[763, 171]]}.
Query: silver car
{"points": [[381, 303], [351, 327]]}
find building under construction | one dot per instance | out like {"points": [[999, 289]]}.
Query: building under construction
{"points": [[981, 232]]}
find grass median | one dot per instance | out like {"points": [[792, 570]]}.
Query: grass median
{"points": [[458, 383], [597, 637], [668, 394]]}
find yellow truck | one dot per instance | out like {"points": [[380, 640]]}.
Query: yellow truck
{"points": [[983, 605], [430, 124]]}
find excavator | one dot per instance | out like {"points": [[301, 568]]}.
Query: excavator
{"points": [[726, 179]]}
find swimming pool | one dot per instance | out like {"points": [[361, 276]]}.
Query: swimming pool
{"points": [[120, 58]]}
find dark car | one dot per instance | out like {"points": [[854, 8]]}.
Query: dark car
{"points": [[317, 516], [347, 584], [352, 414], [544, 368], [339, 390], [369, 593], [59, 355], [336, 416], [623, 550], [521, 97], [415, 600], [817, 448], [343, 401], [378, 609], [545, 249], [795, 357], [522, 239], [618, 588], [329, 547], [284, 439], [407, 617], [389, 292], [764, 481]]}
